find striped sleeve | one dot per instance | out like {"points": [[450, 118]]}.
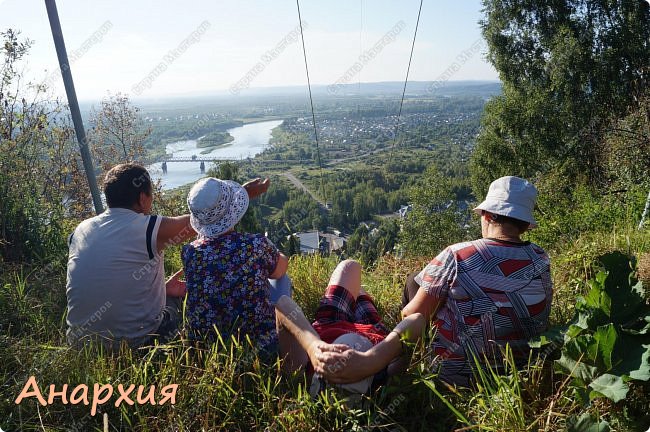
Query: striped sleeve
{"points": [[438, 275], [151, 235]]}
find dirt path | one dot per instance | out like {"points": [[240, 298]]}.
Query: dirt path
{"points": [[300, 185]]}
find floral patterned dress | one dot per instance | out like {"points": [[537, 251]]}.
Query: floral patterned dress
{"points": [[228, 288]]}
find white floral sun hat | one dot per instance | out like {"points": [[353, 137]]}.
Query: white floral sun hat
{"points": [[216, 206], [511, 196]]}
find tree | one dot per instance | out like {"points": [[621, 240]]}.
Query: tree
{"points": [[568, 68], [291, 246], [369, 245], [118, 132], [435, 221], [225, 171], [41, 178], [627, 146]]}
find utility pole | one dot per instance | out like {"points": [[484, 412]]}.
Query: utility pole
{"points": [[66, 73]]}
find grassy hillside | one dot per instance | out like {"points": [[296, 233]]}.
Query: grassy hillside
{"points": [[226, 387]]}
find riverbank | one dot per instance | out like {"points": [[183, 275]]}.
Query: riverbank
{"points": [[214, 139], [159, 153], [247, 142]]}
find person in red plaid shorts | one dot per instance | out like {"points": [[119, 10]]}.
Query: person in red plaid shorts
{"points": [[347, 308], [346, 318]]}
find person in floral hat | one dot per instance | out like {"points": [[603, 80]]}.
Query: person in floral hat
{"points": [[232, 278]]}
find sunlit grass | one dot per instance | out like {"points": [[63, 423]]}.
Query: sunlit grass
{"points": [[225, 386]]}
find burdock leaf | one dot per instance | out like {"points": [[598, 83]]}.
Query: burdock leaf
{"points": [[586, 423], [611, 386], [604, 340], [572, 361]]}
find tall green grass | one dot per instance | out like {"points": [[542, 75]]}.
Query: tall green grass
{"points": [[226, 386]]}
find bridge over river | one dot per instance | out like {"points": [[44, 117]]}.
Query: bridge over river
{"points": [[203, 159]]}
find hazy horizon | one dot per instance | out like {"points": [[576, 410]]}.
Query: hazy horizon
{"points": [[165, 49], [388, 88]]}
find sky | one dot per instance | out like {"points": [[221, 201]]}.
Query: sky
{"points": [[148, 48]]}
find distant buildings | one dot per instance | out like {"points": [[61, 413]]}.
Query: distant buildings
{"points": [[309, 242], [332, 242], [404, 210], [314, 241], [341, 132]]}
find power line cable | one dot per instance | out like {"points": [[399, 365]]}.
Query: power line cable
{"points": [[311, 103], [408, 69]]}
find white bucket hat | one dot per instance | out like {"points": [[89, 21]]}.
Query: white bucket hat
{"points": [[511, 196], [216, 205]]}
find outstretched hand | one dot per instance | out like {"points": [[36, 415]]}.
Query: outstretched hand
{"points": [[174, 286], [256, 187]]}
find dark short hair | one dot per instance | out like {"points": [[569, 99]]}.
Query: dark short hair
{"points": [[124, 183], [517, 223]]}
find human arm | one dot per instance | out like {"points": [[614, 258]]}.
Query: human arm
{"points": [[291, 319], [280, 267], [422, 303], [434, 281], [173, 231], [340, 367], [256, 187], [174, 286]]}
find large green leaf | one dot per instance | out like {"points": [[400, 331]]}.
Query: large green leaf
{"points": [[596, 307], [639, 327], [627, 295], [553, 336], [586, 423], [610, 386], [608, 341], [634, 359], [619, 267], [597, 297], [602, 347], [643, 372], [573, 360], [579, 324]]}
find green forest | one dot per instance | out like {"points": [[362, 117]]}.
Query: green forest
{"points": [[571, 114]]}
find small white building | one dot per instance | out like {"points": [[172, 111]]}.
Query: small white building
{"points": [[315, 241], [404, 210], [309, 242]]}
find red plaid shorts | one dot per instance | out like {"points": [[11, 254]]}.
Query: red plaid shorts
{"points": [[339, 313]]}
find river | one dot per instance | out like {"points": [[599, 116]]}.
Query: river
{"points": [[249, 140]]}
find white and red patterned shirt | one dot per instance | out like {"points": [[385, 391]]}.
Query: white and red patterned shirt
{"points": [[492, 292]]}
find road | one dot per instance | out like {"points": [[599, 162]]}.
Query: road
{"points": [[300, 185]]}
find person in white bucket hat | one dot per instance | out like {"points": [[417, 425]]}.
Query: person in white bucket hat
{"points": [[479, 295], [511, 197], [228, 272]]}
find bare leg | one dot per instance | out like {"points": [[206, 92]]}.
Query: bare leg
{"points": [[348, 275], [295, 333]]}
